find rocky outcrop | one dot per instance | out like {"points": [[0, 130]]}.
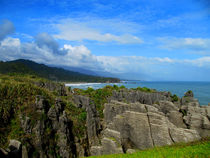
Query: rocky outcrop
{"points": [[132, 120], [92, 121], [58, 88], [132, 96], [130, 126], [52, 131], [14, 150], [140, 120]]}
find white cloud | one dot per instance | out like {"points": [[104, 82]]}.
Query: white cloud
{"points": [[194, 44], [200, 62], [69, 29], [13, 42], [81, 56]]}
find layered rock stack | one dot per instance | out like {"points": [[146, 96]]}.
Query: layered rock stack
{"points": [[132, 120], [131, 125]]}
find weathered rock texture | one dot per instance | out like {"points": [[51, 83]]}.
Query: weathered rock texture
{"points": [[92, 121], [130, 124], [132, 96], [53, 129], [132, 120]]}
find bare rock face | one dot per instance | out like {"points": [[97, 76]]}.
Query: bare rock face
{"points": [[132, 120], [197, 117], [92, 121], [141, 126], [14, 150], [52, 132], [132, 96], [52, 86]]}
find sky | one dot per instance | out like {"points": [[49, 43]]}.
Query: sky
{"points": [[150, 40]]}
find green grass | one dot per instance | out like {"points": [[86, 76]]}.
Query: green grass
{"points": [[198, 149]]}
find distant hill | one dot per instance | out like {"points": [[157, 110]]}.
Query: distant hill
{"points": [[22, 66], [82, 71]]}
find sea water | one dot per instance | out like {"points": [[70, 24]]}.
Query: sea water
{"points": [[201, 90]]}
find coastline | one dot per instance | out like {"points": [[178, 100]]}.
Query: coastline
{"points": [[200, 89]]}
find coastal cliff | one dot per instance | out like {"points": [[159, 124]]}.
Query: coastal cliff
{"points": [[41, 118]]}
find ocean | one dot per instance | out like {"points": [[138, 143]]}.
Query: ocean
{"points": [[201, 90]]}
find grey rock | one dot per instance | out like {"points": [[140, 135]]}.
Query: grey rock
{"points": [[54, 87], [24, 152], [159, 129], [183, 135], [132, 96], [26, 124], [110, 146], [41, 104], [197, 117], [15, 145], [141, 126], [130, 151], [93, 124], [189, 100], [96, 150], [167, 106], [80, 150], [189, 94], [176, 118], [92, 121], [114, 108], [15, 148], [81, 101]]}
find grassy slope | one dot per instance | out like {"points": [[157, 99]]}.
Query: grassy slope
{"points": [[198, 149]]}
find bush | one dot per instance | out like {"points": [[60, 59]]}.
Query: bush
{"points": [[174, 98]]}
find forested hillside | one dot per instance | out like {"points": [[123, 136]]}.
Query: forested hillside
{"points": [[22, 66]]}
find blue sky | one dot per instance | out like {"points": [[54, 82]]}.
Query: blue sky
{"points": [[133, 39]]}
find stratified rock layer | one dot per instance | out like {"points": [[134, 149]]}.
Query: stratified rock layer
{"points": [[132, 125]]}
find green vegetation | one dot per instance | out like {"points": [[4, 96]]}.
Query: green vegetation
{"points": [[174, 98], [99, 96], [198, 149], [188, 93], [78, 116], [52, 73], [18, 94], [144, 89]]}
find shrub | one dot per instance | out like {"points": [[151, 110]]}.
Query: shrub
{"points": [[174, 98]]}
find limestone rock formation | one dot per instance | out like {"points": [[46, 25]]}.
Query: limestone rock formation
{"points": [[132, 96], [53, 129], [14, 150], [92, 121], [131, 125], [132, 120]]}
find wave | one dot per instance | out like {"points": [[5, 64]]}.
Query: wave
{"points": [[80, 84]]}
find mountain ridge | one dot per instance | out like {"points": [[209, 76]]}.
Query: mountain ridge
{"points": [[22, 66]]}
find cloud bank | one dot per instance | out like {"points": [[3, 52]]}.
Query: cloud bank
{"points": [[43, 50], [199, 45], [6, 28], [76, 30]]}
